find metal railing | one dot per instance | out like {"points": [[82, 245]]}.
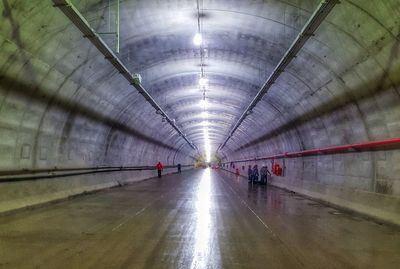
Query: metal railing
{"points": [[38, 174]]}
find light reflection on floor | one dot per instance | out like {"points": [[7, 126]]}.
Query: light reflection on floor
{"points": [[203, 244]]}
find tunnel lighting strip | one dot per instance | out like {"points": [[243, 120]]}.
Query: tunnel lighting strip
{"points": [[203, 83], [80, 22], [371, 145], [308, 30]]}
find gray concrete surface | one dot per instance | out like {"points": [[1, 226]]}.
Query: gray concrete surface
{"points": [[21, 194], [63, 105], [346, 195], [199, 219]]}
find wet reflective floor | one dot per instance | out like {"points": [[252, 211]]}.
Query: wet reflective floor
{"points": [[198, 219]]}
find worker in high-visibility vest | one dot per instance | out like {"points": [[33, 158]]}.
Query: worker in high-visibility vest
{"points": [[159, 168]]}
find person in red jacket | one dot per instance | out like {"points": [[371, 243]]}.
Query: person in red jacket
{"points": [[159, 168]]}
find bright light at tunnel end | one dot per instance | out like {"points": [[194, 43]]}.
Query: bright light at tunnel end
{"points": [[207, 145], [204, 104]]}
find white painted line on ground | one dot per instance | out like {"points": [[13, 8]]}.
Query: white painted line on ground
{"points": [[136, 214], [262, 222]]}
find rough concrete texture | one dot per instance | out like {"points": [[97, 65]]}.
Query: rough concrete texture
{"points": [[59, 108], [382, 208], [16, 195], [198, 219], [342, 88], [62, 104]]}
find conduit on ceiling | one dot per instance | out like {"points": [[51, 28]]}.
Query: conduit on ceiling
{"points": [[134, 79], [308, 31]]}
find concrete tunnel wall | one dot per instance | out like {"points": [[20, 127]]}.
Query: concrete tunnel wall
{"points": [[59, 108], [63, 105], [343, 88]]}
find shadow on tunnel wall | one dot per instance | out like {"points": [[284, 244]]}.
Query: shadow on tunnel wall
{"points": [[32, 91], [64, 104], [347, 98]]}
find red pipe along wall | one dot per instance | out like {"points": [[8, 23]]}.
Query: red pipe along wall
{"points": [[370, 145]]}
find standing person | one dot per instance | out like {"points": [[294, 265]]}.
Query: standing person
{"points": [[159, 168], [179, 168], [255, 173], [249, 173]]}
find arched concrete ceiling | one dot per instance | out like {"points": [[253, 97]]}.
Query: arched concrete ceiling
{"points": [[243, 42]]}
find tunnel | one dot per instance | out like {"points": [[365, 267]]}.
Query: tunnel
{"points": [[199, 134]]}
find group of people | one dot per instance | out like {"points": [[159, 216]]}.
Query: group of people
{"points": [[254, 175], [160, 168]]}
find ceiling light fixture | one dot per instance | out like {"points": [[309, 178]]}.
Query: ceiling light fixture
{"points": [[204, 103], [198, 39], [204, 115], [203, 82]]}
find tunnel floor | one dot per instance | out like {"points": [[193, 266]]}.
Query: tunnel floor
{"points": [[197, 219]]}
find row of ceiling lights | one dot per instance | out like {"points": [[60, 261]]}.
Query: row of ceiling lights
{"points": [[203, 83]]}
